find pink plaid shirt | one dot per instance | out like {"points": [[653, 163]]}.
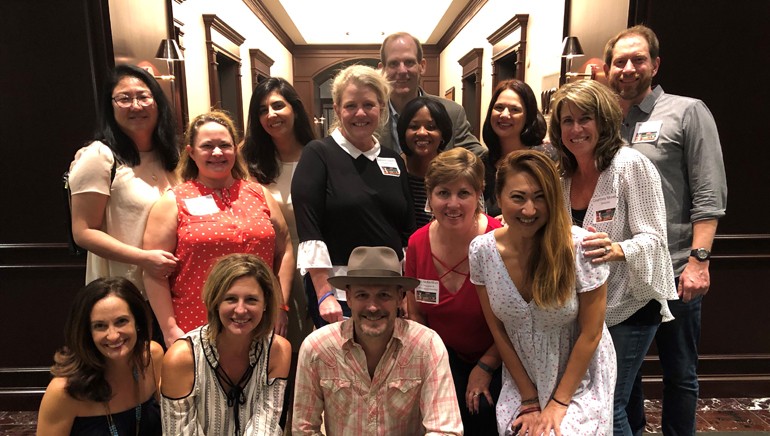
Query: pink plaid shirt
{"points": [[412, 391]]}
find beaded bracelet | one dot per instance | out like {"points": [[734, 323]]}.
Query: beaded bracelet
{"points": [[324, 297], [559, 402], [529, 410]]}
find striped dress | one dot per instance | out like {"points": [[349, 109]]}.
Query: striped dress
{"points": [[207, 410]]}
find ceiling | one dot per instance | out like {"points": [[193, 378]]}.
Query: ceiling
{"points": [[363, 22]]}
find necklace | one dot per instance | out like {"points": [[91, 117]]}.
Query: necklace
{"points": [[137, 410]]}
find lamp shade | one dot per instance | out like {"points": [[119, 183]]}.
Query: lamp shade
{"points": [[169, 51], [571, 47]]}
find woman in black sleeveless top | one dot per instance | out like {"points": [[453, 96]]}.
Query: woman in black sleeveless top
{"points": [[106, 376]]}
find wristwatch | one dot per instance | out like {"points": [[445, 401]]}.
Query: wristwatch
{"points": [[701, 254]]}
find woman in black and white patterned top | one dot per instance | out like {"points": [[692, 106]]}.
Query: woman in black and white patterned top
{"points": [[228, 376], [615, 192], [424, 127]]}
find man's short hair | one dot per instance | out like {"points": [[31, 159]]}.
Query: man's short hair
{"points": [[640, 30], [399, 35]]}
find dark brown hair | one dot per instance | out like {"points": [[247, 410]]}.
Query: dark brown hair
{"points": [[79, 360], [534, 124], [258, 146]]}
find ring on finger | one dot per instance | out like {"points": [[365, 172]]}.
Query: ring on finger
{"points": [[606, 249], [475, 394]]}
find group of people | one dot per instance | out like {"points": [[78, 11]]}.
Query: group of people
{"points": [[454, 288]]}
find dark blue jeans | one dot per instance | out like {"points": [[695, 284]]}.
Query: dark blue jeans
{"points": [[677, 343], [631, 345]]}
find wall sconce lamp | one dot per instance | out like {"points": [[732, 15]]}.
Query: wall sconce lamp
{"points": [[170, 52], [571, 49], [318, 120]]}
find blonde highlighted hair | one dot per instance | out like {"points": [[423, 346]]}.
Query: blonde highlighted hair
{"points": [[224, 273], [361, 75], [599, 101], [552, 261], [187, 169]]}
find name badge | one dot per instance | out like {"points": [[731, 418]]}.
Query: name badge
{"points": [[388, 166], [605, 208], [427, 292], [648, 131], [204, 205]]}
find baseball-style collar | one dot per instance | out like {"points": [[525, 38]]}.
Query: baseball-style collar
{"points": [[351, 149]]}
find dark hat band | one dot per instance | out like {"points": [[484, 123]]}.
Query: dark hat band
{"points": [[373, 273]]}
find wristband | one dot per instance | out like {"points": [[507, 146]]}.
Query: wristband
{"points": [[284, 307], [559, 402], [533, 400], [324, 297], [485, 367]]}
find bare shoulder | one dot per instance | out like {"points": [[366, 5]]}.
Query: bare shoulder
{"points": [[157, 352], [179, 357], [280, 358], [178, 370], [57, 410]]}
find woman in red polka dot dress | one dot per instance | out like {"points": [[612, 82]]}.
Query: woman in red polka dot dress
{"points": [[215, 212]]}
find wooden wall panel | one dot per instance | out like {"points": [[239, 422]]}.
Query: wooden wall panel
{"points": [[56, 59], [710, 50], [314, 62]]}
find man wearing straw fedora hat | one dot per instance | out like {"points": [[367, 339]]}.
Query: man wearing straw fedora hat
{"points": [[374, 373]]}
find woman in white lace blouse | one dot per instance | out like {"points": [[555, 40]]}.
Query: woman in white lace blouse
{"points": [[615, 192]]}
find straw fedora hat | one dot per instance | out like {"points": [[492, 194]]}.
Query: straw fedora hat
{"points": [[373, 266]]}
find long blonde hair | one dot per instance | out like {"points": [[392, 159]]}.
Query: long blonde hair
{"points": [[552, 262]]}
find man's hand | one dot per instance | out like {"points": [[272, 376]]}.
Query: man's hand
{"points": [[694, 280]]}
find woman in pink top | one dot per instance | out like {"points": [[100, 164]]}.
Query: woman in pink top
{"points": [[213, 213], [446, 300]]}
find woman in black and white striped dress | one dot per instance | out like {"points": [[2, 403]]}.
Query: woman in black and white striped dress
{"points": [[228, 376], [424, 127]]}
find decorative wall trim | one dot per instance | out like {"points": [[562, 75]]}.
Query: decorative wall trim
{"points": [[502, 47], [260, 65], [264, 15], [463, 18], [211, 21], [471, 99]]}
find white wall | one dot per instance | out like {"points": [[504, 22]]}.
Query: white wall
{"points": [[544, 36], [238, 16]]}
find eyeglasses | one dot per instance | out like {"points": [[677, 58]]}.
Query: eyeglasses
{"points": [[125, 102]]}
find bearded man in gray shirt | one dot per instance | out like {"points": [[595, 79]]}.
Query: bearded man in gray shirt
{"points": [[679, 135]]}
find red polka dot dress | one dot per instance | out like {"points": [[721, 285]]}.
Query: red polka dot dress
{"points": [[213, 223]]}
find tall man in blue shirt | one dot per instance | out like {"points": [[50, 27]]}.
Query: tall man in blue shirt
{"points": [[679, 135], [402, 62]]}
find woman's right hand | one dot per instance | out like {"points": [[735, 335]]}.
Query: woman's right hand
{"points": [[159, 263], [330, 310], [526, 423]]}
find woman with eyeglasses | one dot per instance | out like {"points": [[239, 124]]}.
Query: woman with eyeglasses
{"points": [[117, 178]]}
